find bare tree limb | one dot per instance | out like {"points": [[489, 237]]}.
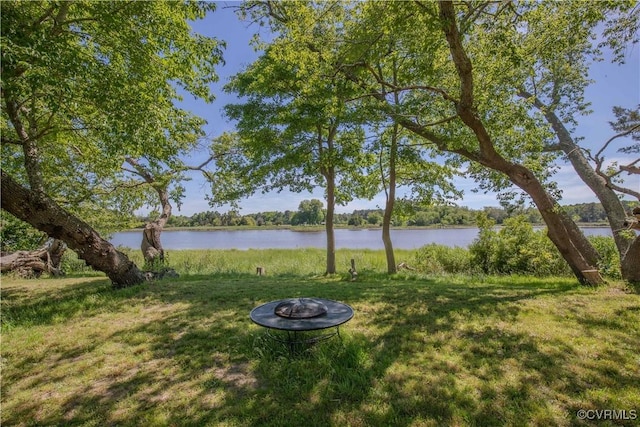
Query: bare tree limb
{"points": [[620, 135]]}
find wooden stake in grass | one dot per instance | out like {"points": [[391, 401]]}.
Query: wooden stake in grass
{"points": [[353, 271]]}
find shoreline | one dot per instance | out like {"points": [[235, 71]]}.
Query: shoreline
{"points": [[316, 228]]}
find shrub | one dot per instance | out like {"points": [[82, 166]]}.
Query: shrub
{"points": [[484, 247], [71, 264], [609, 264], [435, 258], [515, 249], [17, 235]]}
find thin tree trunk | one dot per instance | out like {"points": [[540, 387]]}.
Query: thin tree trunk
{"points": [[390, 203], [331, 239], [29, 147], [390, 193], [329, 174], [46, 215]]}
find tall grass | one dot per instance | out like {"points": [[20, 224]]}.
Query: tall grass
{"points": [[515, 249], [299, 262]]}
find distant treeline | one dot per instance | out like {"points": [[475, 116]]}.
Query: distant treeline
{"points": [[426, 216]]}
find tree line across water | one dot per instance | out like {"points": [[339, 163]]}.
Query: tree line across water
{"points": [[311, 212]]}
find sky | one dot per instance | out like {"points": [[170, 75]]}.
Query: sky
{"points": [[614, 85]]}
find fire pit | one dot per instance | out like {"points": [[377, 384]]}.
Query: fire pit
{"points": [[300, 308], [296, 315]]}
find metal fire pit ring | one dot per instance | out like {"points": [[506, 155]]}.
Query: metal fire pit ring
{"points": [[336, 314]]}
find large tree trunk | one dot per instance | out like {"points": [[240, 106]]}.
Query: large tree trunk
{"points": [[572, 244], [630, 262], [46, 259], [46, 215]]}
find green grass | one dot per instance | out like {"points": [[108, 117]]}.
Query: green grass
{"points": [[420, 350]]}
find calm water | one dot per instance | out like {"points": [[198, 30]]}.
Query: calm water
{"points": [[287, 239]]}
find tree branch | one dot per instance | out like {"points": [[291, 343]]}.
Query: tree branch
{"points": [[5, 140], [620, 135], [634, 170], [397, 89]]}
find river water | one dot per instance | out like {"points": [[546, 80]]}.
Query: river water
{"points": [[289, 239]]}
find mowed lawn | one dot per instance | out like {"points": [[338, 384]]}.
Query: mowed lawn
{"points": [[419, 351]]}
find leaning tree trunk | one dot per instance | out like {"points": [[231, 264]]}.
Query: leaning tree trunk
{"points": [[627, 244], [572, 244], [46, 215], [564, 233], [46, 259]]}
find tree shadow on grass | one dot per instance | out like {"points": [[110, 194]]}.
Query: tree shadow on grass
{"points": [[445, 355], [417, 351], [337, 382]]}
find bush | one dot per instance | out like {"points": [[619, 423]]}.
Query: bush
{"points": [[515, 249], [609, 264], [435, 258], [16, 235], [73, 265]]}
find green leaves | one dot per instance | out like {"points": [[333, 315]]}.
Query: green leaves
{"points": [[296, 128], [95, 82]]}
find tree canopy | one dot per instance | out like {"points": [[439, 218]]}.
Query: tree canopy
{"points": [[459, 76], [86, 84], [413, 93]]}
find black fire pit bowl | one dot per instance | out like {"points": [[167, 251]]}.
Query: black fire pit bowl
{"points": [[301, 314]]}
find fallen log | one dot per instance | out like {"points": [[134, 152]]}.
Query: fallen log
{"points": [[46, 259]]}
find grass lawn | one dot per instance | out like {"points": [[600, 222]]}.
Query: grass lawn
{"points": [[419, 351]]}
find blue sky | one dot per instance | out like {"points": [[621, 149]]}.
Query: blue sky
{"points": [[614, 85]]}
